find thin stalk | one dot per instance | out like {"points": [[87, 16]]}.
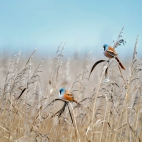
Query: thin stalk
{"points": [[104, 119], [95, 100], [76, 128]]}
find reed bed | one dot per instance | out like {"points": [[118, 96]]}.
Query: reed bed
{"points": [[111, 105]]}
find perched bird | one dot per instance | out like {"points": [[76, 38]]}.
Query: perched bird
{"points": [[66, 95], [110, 53]]}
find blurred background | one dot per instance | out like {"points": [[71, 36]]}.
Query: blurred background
{"points": [[83, 26]]}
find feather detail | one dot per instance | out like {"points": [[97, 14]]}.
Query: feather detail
{"points": [[111, 49], [120, 63], [112, 52], [69, 93], [76, 102]]}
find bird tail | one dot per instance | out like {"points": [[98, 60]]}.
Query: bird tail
{"points": [[120, 63], [76, 102]]}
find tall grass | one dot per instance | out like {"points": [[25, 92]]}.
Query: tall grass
{"points": [[110, 109]]}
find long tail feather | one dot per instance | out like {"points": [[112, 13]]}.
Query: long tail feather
{"points": [[76, 102], [95, 66], [120, 63]]}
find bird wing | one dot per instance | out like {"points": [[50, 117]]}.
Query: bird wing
{"points": [[69, 94], [111, 53]]}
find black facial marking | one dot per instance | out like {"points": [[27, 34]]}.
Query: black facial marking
{"points": [[104, 48]]}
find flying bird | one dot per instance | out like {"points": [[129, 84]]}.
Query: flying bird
{"points": [[66, 95], [110, 53]]}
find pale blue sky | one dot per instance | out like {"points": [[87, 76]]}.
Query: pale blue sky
{"points": [[85, 25]]}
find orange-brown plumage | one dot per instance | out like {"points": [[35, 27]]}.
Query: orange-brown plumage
{"points": [[120, 63], [110, 53], [67, 95]]}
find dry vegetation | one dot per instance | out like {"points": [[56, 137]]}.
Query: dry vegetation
{"points": [[110, 110]]}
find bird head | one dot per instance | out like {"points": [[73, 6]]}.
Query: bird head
{"points": [[105, 46], [62, 90]]}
